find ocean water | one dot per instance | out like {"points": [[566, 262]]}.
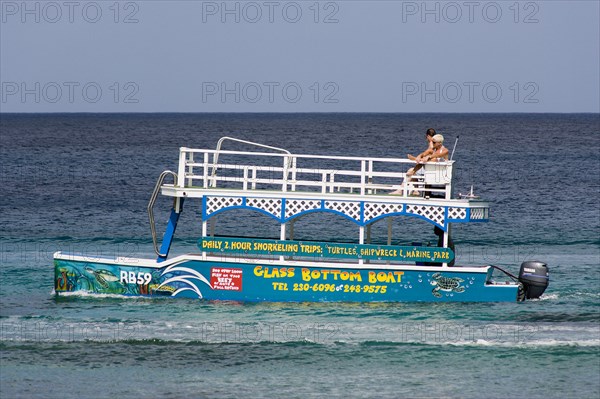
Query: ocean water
{"points": [[81, 183]]}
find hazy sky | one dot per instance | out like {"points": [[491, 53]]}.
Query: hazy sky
{"points": [[300, 56]]}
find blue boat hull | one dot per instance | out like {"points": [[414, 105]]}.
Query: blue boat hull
{"points": [[284, 281]]}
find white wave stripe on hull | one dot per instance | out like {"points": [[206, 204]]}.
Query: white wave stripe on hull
{"points": [[195, 289], [192, 274]]}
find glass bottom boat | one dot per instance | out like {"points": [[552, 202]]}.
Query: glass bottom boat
{"points": [[286, 187]]}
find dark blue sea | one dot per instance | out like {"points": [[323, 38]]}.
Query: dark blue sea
{"points": [[81, 183]]}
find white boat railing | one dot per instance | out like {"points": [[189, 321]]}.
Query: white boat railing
{"points": [[286, 172]]}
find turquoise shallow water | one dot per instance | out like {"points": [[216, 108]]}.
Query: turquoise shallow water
{"points": [[81, 183]]}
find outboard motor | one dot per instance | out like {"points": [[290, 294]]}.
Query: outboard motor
{"points": [[534, 277]]}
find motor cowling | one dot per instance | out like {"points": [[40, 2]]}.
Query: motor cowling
{"points": [[534, 277]]}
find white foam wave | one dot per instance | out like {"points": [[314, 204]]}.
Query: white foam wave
{"points": [[528, 344], [92, 295], [546, 297]]}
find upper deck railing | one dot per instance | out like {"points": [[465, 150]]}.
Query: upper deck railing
{"points": [[286, 172]]}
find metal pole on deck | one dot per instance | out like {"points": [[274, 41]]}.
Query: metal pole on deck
{"points": [[454, 148]]}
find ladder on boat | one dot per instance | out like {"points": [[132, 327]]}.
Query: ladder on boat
{"points": [[162, 252]]}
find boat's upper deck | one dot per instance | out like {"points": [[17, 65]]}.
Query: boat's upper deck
{"points": [[284, 186]]}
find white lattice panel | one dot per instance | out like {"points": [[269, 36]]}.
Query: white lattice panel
{"points": [[457, 213], [294, 207], [433, 213], [214, 204], [351, 209], [272, 206], [479, 213], [373, 210]]}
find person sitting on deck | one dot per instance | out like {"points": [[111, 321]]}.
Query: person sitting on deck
{"points": [[428, 136], [436, 153]]}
